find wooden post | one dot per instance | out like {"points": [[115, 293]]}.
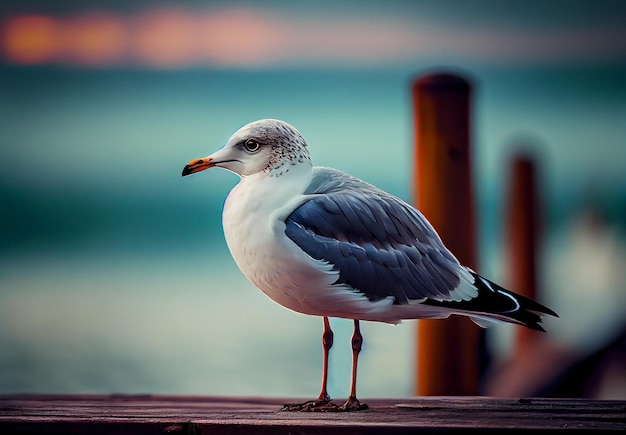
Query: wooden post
{"points": [[447, 350], [522, 233]]}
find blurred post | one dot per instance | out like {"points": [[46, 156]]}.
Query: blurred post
{"points": [[522, 233], [447, 350]]}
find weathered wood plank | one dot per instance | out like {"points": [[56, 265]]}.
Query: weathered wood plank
{"points": [[224, 415]]}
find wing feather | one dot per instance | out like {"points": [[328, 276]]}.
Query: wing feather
{"points": [[379, 245]]}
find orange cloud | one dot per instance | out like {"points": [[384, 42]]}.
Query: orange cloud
{"points": [[31, 39], [241, 37], [95, 39], [166, 38], [162, 38]]}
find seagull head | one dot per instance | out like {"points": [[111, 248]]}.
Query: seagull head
{"points": [[269, 145]]}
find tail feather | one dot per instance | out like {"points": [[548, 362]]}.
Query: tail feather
{"points": [[497, 303]]}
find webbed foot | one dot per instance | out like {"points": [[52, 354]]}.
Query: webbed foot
{"points": [[353, 404]]}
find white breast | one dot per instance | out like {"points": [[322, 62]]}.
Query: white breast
{"points": [[265, 257]]}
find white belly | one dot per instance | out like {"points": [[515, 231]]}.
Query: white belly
{"points": [[269, 262]]}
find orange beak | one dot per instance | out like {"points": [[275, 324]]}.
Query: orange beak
{"points": [[197, 166]]}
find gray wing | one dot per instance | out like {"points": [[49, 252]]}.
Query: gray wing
{"points": [[380, 245]]}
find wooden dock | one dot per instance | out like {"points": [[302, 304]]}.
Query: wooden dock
{"points": [[21, 414]]}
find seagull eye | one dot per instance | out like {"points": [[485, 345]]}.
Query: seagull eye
{"points": [[252, 145]]}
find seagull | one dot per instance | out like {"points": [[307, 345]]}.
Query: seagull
{"points": [[321, 242]]}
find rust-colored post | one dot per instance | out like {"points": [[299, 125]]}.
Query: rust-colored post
{"points": [[447, 350], [522, 233]]}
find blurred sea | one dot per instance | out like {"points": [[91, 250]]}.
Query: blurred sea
{"points": [[114, 274]]}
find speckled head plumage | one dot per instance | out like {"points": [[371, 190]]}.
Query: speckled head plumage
{"points": [[286, 145]]}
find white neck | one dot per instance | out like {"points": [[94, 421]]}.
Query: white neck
{"points": [[266, 191]]}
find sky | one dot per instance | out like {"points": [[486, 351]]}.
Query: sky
{"points": [[276, 34]]}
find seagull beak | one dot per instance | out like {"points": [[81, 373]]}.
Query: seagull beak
{"points": [[198, 165]]}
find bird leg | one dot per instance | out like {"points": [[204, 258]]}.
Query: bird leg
{"points": [[353, 404], [327, 343], [323, 402]]}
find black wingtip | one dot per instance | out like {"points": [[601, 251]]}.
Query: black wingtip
{"points": [[534, 325], [528, 313], [497, 302], [532, 305]]}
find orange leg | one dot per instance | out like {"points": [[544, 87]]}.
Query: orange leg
{"points": [[353, 403], [327, 343]]}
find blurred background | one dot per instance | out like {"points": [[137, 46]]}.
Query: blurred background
{"points": [[114, 273]]}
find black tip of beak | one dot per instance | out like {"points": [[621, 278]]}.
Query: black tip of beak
{"points": [[187, 170]]}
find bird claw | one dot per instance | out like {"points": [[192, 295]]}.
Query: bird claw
{"points": [[353, 404], [324, 406]]}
